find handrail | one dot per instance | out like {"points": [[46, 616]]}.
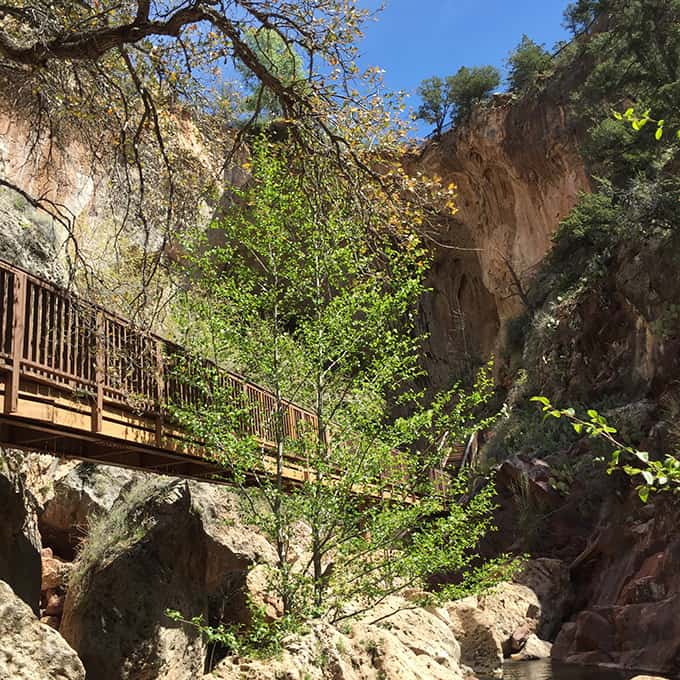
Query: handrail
{"points": [[57, 338]]}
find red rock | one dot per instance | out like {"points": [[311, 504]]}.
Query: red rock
{"points": [[51, 621], [55, 604], [55, 572]]}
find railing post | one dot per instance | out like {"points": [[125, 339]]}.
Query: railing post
{"points": [[18, 326], [160, 393], [98, 405]]}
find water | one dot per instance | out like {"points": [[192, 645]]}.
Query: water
{"points": [[551, 670]]}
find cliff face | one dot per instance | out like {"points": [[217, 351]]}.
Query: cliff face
{"points": [[518, 173]]}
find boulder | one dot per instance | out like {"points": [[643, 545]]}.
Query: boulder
{"points": [[29, 649], [164, 545], [480, 641], [534, 648], [232, 550], [55, 571], [79, 493], [536, 601], [20, 543], [412, 644]]}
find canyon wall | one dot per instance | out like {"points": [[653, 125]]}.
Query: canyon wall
{"points": [[518, 173]]}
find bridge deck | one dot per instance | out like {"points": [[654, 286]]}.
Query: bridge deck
{"points": [[81, 382]]}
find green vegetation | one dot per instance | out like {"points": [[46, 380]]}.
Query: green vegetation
{"points": [[651, 476], [317, 300], [282, 60], [469, 87], [456, 96], [528, 61], [437, 105]]}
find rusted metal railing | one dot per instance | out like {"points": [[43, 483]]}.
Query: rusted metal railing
{"points": [[50, 336]]}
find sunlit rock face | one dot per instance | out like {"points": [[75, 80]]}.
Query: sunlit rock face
{"points": [[518, 172]]}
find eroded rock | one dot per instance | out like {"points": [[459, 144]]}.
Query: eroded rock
{"points": [[534, 648], [29, 649], [410, 645], [80, 492], [479, 638], [20, 542], [165, 544]]}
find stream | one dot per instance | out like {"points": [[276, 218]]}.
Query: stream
{"points": [[550, 670]]}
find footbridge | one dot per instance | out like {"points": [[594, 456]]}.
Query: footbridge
{"points": [[81, 382]]}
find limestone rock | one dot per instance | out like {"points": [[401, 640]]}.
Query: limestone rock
{"points": [[20, 542], [30, 650], [411, 645], [536, 601], [512, 199], [534, 648], [79, 493], [165, 544]]}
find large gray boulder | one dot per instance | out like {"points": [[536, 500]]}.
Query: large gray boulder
{"points": [[30, 650], [165, 544], [79, 493], [19, 537]]}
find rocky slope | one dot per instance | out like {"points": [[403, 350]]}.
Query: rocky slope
{"points": [[148, 544]]}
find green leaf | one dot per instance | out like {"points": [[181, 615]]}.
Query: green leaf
{"points": [[617, 115], [642, 455], [541, 400], [592, 413], [648, 477], [659, 133], [578, 428], [643, 493]]}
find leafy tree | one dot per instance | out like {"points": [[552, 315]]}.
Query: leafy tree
{"points": [[317, 299], [651, 476], [527, 62], [436, 106], [471, 86]]}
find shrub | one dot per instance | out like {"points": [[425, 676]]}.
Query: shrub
{"points": [[526, 63], [471, 86]]}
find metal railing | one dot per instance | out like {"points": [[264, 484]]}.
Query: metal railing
{"points": [[50, 336]]}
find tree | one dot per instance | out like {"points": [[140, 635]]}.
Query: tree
{"points": [[282, 60], [579, 16], [436, 105], [316, 298], [526, 63], [471, 86], [121, 76]]}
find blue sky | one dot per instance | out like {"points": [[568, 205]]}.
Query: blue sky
{"points": [[415, 39]]}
